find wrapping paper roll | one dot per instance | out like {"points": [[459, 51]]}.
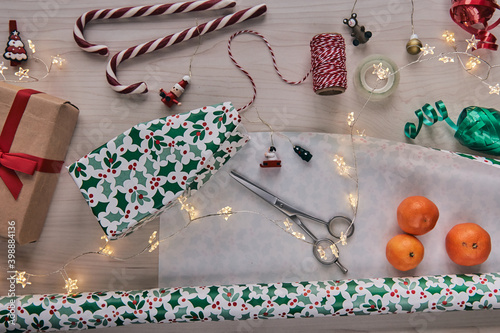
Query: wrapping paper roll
{"points": [[52, 312]]}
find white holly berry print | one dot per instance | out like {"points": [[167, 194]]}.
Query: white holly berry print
{"points": [[134, 177], [254, 301]]}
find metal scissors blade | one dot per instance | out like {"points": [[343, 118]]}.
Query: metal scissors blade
{"points": [[271, 198], [279, 204]]}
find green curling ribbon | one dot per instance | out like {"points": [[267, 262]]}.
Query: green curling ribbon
{"points": [[477, 128]]}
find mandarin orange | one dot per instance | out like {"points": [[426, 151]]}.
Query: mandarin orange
{"points": [[468, 244], [417, 215], [404, 252]]}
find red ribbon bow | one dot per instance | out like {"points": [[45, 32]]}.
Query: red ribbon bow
{"points": [[12, 162], [467, 13]]}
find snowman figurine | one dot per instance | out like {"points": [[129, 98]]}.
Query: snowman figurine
{"points": [[170, 98], [272, 160]]}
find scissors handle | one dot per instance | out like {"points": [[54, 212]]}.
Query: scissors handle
{"points": [[297, 221], [342, 268], [293, 211]]}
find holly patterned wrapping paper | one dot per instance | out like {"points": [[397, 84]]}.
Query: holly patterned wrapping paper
{"points": [[137, 175], [252, 301]]}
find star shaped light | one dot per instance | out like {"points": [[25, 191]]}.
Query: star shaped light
{"points": [[70, 285], [473, 62], [31, 46], [381, 73], [334, 250], [186, 206], [495, 89], [343, 238], [352, 200], [226, 212], [362, 133], [321, 253], [22, 73], [154, 246], [2, 68], [427, 49], [289, 229], [342, 166], [471, 43], [153, 241], [299, 235], [350, 118], [58, 61], [152, 238], [446, 59], [449, 36], [21, 279]]}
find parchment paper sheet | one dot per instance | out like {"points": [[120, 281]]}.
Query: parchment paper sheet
{"points": [[249, 248]]}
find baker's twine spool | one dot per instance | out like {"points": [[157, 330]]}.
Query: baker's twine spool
{"points": [[139, 11], [328, 65]]}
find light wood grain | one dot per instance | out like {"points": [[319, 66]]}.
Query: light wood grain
{"points": [[71, 229]]}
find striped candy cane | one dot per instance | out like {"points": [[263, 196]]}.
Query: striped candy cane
{"points": [[132, 52], [139, 11]]}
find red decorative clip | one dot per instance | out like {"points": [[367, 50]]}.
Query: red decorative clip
{"points": [[15, 51]]}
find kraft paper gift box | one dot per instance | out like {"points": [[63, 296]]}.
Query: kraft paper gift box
{"points": [[36, 132], [134, 177]]}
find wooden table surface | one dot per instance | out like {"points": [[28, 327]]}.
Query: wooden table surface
{"points": [[71, 229]]}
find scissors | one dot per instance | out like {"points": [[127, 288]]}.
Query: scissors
{"points": [[324, 249]]}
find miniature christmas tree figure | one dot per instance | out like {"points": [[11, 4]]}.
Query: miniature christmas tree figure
{"points": [[304, 154], [15, 51]]}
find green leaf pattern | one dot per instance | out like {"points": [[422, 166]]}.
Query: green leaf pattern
{"points": [[135, 176], [255, 301]]}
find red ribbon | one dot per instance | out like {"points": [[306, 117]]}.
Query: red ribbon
{"points": [[467, 13], [12, 162]]}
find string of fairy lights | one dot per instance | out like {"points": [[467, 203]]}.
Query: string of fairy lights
{"points": [[343, 168], [470, 66], [23, 74]]}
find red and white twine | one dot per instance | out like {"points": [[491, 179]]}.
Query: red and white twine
{"points": [[328, 64], [139, 11], [248, 74]]}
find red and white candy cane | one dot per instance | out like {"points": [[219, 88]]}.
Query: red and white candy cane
{"points": [[139, 11], [132, 52]]}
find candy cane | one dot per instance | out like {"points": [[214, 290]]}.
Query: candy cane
{"points": [[140, 11], [132, 52]]}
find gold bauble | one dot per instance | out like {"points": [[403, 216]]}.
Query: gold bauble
{"points": [[413, 46]]}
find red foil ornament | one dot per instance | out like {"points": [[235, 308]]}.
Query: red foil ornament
{"points": [[471, 14]]}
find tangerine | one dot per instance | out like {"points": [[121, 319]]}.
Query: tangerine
{"points": [[404, 252], [468, 244], [417, 215]]}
